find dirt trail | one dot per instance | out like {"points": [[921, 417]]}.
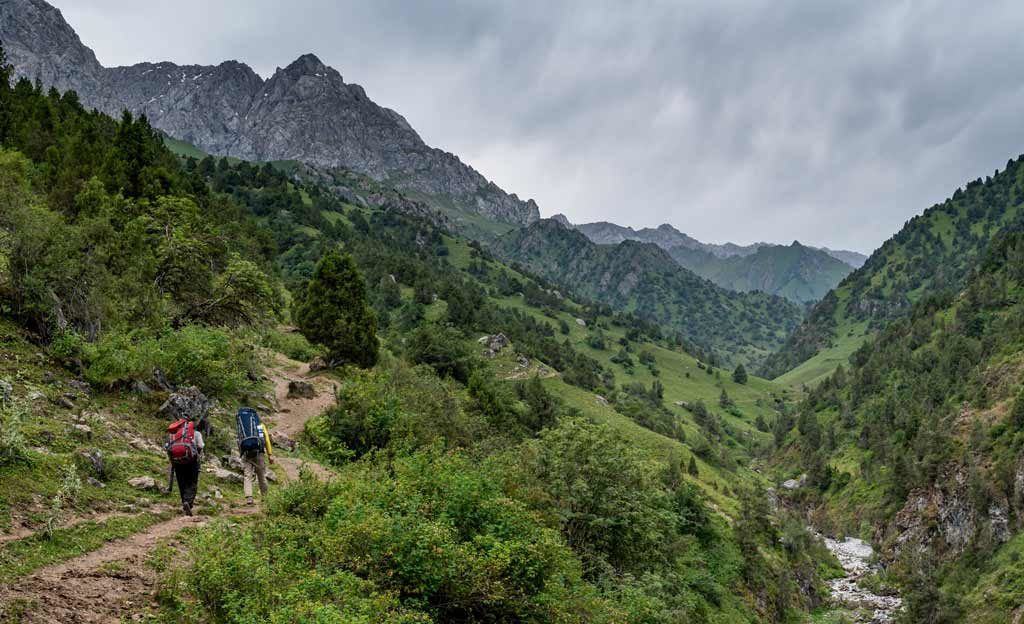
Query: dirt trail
{"points": [[113, 583], [293, 411], [108, 585]]}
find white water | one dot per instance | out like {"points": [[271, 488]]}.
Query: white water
{"points": [[855, 557]]}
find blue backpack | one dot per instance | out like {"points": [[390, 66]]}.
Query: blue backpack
{"points": [[249, 438]]}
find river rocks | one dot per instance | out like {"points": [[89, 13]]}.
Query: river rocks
{"points": [[301, 390], [855, 557], [142, 483], [188, 403]]}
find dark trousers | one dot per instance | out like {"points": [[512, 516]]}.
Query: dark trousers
{"points": [[188, 481]]}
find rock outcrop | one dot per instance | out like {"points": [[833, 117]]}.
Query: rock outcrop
{"points": [[304, 112]]}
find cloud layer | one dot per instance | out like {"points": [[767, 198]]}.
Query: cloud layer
{"points": [[828, 122]]}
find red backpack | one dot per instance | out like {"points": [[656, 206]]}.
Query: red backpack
{"points": [[181, 445]]}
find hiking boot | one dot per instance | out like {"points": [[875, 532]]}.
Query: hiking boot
{"points": [[249, 501], [186, 509]]}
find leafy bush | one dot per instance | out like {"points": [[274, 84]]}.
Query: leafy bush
{"points": [[444, 349], [401, 406], [14, 447], [213, 359], [292, 344], [432, 538]]}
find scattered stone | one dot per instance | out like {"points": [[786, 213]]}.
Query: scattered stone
{"points": [[94, 460], [317, 364], [188, 402], [161, 382], [495, 343], [231, 461], [523, 361], [36, 395], [142, 483], [81, 386], [96, 483], [581, 322], [224, 475], [66, 403], [140, 387], [795, 484], [217, 494], [280, 440], [601, 400], [49, 377], [6, 390], [301, 390]]}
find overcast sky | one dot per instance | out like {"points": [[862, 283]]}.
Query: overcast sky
{"points": [[828, 122]]}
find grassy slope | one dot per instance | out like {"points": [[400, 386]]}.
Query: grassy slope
{"points": [[119, 421], [683, 381], [981, 210]]}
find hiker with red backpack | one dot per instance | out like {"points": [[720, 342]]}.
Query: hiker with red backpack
{"points": [[185, 449], [255, 449]]}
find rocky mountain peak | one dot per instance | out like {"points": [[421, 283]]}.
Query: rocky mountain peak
{"points": [[304, 112], [561, 218], [308, 63]]}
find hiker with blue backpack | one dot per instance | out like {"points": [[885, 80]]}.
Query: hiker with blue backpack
{"points": [[185, 449], [255, 449]]}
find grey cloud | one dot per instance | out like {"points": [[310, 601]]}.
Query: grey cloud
{"points": [[830, 122]]}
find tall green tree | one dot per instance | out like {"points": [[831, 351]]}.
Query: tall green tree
{"points": [[740, 374], [335, 312]]}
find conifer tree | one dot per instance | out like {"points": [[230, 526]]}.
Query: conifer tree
{"points": [[335, 312], [740, 374]]}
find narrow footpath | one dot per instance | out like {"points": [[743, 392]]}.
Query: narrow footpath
{"points": [[114, 583]]}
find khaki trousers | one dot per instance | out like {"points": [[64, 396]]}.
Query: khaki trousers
{"points": [[254, 466]]}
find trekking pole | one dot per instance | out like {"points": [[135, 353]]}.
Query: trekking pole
{"points": [[170, 479]]}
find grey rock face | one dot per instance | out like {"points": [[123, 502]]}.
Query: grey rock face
{"points": [[304, 112]]}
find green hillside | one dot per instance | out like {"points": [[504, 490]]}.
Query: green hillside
{"points": [[450, 473], [933, 253], [918, 444], [642, 279]]}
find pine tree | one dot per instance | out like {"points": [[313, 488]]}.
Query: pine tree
{"points": [[692, 468], [740, 374], [335, 312], [1017, 414]]}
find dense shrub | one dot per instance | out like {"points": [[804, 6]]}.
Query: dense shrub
{"points": [[217, 361], [432, 538]]}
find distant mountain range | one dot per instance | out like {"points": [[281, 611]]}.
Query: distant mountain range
{"points": [[641, 277], [798, 272], [934, 253], [304, 112]]}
